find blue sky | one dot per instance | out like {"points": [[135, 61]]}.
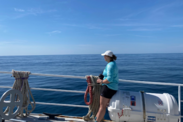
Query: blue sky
{"points": [[52, 27]]}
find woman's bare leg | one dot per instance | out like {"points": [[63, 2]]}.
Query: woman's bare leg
{"points": [[103, 104]]}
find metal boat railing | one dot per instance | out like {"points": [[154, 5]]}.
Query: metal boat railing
{"points": [[81, 77]]}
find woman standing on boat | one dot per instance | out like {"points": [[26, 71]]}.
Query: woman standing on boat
{"points": [[109, 83]]}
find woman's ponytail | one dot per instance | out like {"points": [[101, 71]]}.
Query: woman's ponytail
{"points": [[114, 57]]}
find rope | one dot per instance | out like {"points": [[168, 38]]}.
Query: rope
{"points": [[21, 84], [94, 106]]}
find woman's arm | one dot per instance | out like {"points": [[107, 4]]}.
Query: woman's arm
{"points": [[109, 79]]}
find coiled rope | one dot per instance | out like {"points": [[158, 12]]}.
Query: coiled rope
{"points": [[21, 84], [94, 106]]}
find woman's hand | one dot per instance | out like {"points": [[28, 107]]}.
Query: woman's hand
{"points": [[99, 80]]}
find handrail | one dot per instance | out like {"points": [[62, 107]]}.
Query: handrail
{"points": [[50, 75], [152, 83], [80, 77], [58, 90], [58, 104], [45, 89], [121, 80], [179, 100]]}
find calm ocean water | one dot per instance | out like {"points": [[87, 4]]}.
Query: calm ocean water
{"points": [[145, 67]]}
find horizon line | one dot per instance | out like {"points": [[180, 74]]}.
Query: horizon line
{"points": [[88, 54]]}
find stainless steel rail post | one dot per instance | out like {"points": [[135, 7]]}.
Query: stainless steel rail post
{"points": [[179, 100]]}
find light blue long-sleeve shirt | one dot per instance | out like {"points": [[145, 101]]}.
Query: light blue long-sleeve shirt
{"points": [[111, 74]]}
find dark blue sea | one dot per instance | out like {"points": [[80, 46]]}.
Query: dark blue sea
{"points": [[166, 68]]}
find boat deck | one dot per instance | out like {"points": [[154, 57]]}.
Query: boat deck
{"points": [[43, 118]]}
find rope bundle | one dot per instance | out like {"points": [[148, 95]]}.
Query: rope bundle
{"points": [[21, 84], [94, 106]]}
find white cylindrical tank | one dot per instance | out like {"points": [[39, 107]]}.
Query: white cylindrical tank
{"points": [[161, 107], [138, 106]]}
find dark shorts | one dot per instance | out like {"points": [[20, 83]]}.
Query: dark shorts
{"points": [[106, 92]]}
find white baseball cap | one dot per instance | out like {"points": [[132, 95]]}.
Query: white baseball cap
{"points": [[108, 53]]}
